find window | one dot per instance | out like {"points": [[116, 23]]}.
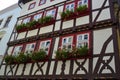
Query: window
{"points": [[26, 20], [51, 12], [17, 49], [45, 45], [37, 16], [67, 42], [1, 22], [70, 6], [8, 21], [82, 40], [32, 5], [82, 2], [42, 2], [30, 47]]}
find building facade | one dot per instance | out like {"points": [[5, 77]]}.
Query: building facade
{"points": [[8, 18], [64, 40]]}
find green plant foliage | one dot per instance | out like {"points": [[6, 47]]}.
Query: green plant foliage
{"points": [[9, 59], [37, 56], [62, 54], [22, 58], [45, 19], [81, 8], [31, 24], [66, 14], [18, 27], [82, 51]]}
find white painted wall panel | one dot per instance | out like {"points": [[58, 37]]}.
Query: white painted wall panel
{"points": [[100, 36], [46, 29], [67, 24]]}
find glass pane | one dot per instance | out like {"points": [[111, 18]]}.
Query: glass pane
{"points": [[85, 37]]}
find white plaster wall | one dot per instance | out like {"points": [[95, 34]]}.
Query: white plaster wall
{"points": [[96, 4], [80, 70], [46, 29], [82, 20], [67, 24], [55, 47], [104, 15], [2, 70], [21, 35], [32, 33], [10, 50], [15, 12], [57, 25], [100, 36], [37, 7], [111, 64], [51, 67]]}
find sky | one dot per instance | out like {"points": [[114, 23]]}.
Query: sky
{"points": [[6, 3]]}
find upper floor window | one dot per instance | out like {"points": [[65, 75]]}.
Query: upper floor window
{"points": [[45, 45], [67, 42], [70, 6], [7, 21], [1, 22], [17, 49], [26, 20], [51, 12], [82, 40], [82, 2], [37, 16], [42, 2], [32, 5], [30, 47]]}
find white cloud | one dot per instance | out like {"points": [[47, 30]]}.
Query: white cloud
{"points": [[6, 3]]}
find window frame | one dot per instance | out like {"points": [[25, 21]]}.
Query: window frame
{"points": [[6, 22], [39, 43], [45, 13], [16, 46], [33, 3], [26, 18], [89, 37], [62, 37], [37, 14], [40, 2], [25, 45]]}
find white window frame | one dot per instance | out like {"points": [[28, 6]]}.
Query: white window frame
{"points": [[29, 47], [50, 12], [45, 47], [17, 49], [37, 16], [67, 44], [80, 42], [42, 2], [71, 8], [26, 20], [82, 3]]}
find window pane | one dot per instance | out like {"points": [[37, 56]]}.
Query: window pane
{"points": [[37, 16], [8, 21]]}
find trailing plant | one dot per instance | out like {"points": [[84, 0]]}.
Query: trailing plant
{"points": [[62, 54], [66, 14], [74, 53], [9, 59], [81, 8], [18, 27], [31, 24], [39, 55], [45, 19], [82, 51], [22, 58]]}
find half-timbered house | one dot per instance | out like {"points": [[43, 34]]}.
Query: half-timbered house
{"points": [[78, 40]]}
